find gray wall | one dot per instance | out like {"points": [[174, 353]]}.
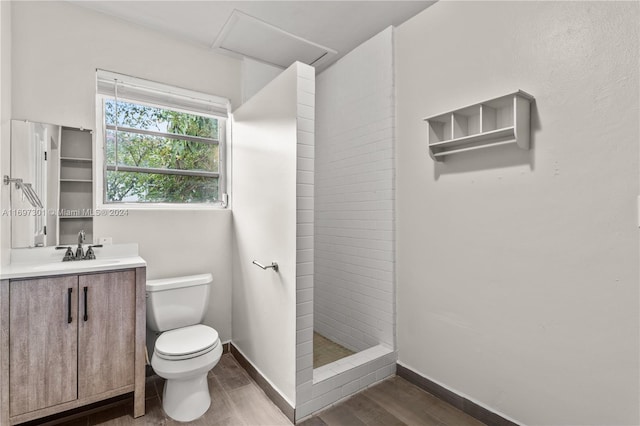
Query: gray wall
{"points": [[518, 270]]}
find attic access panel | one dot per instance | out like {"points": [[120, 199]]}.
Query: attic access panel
{"points": [[250, 37]]}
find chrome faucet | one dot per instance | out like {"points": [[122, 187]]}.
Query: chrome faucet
{"points": [[79, 251]]}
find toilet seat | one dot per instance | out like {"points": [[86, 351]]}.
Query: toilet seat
{"points": [[186, 342]]}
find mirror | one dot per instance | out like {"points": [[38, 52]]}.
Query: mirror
{"points": [[34, 168], [51, 165]]}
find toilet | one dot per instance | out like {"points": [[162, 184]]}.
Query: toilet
{"points": [[186, 350]]}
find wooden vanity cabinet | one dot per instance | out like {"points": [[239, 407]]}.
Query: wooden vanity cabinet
{"points": [[43, 344], [106, 335], [71, 340]]}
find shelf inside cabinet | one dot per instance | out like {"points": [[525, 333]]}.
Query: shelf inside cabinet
{"points": [[499, 121], [76, 143], [76, 185], [77, 159], [76, 170]]}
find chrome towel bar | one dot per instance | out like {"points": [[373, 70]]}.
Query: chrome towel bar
{"points": [[27, 190], [273, 265]]}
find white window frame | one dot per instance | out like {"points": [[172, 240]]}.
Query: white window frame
{"points": [[100, 167]]}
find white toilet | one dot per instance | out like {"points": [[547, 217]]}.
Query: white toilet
{"points": [[186, 350]]}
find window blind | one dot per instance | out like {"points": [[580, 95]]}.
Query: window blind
{"points": [[136, 89]]}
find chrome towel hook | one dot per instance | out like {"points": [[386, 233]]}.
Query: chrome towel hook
{"points": [[273, 265]]}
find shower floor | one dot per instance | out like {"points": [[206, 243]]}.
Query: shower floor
{"points": [[325, 351]]}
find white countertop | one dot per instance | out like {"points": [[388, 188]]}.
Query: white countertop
{"points": [[47, 261]]}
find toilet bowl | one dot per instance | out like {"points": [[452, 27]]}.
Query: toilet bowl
{"points": [[186, 350]]}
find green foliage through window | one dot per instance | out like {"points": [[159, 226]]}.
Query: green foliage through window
{"points": [[163, 156]]}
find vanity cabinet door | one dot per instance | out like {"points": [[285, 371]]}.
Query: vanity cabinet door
{"points": [[43, 321], [106, 332]]}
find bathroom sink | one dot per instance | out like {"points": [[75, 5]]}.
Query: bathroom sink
{"points": [[77, 264], [47, 261]]}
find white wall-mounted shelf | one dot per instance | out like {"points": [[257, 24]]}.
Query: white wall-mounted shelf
{"points": [[499, 121]]}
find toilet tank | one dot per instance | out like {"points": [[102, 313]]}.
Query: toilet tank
{"points": [[177, 302]]}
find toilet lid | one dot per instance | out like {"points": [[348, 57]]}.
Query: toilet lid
{"points": [[187, 341]]}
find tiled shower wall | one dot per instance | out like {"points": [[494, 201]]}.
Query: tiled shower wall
{"points": [[304, 233], [354, 298]]}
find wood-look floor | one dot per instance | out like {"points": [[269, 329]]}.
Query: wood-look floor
{"points": [[326, 351], [394, 402], [237, 400]]}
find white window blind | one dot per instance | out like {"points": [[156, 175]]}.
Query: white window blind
{"points": [[160, 144], [140, 90]]}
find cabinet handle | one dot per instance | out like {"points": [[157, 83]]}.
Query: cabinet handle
{"points": [[86, 317], [69, 318]]}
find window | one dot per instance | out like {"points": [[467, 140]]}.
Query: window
{"points": [[160, 144]]}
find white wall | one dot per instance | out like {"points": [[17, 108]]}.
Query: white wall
{"points": [[256, 75], [5, 125], [354, 297], [518, 271], [265, 209], [56, 50]]}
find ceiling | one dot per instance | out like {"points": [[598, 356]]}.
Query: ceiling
{"points": [[334, 27]]}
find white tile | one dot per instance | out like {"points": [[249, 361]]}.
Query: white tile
{"points": [[305, 124], [305, 151], [304, 362], [305, 295], [304, 335], [304, 243], [355, 200], [304, 256], [305, 137], [305, 164], [304, 348], [305, 321], [304, 375], [306, 86], [304, 269], [305, 98], [305, 71], [304, 216], [304, 282], [317, 404], [386, 371], [306, 111], [341, 368], [367, 380], [304, 230], [350, 388], [352, 374], [305, 177], [320, 388], [303, 309], [322, 373], [304, 203], [303, 394], [303, 410]]}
